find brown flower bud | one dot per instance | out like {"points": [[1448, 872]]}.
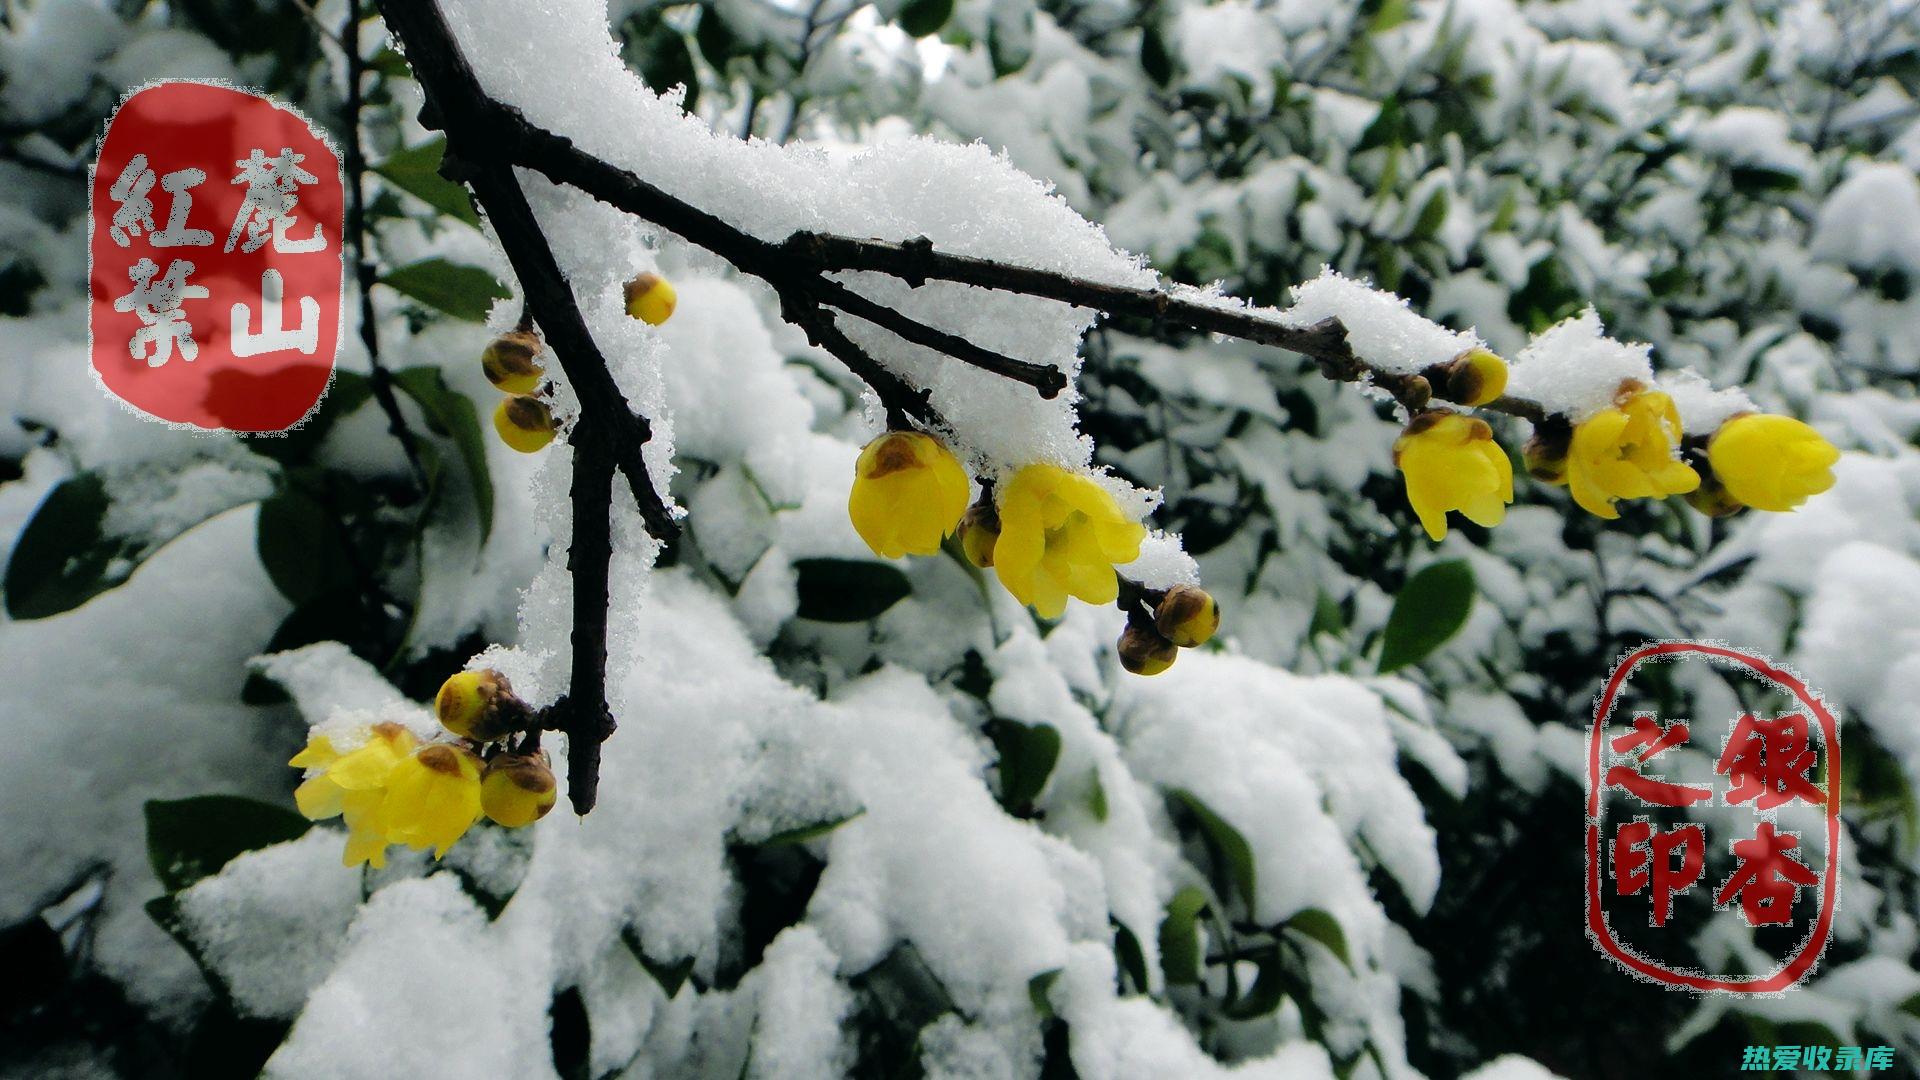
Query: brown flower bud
{"points": [[1545, 453], [479, 705], [518, 789], [979, 532], [509, 362], [1475, 377], [1187, 616], [1143, 651]]}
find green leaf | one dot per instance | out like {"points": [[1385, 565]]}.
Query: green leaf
{"points": [[1327, 617], [416, 170], [1911, 1006], [1027, 756], [1268, 990], [65, 557], [1180, 936], [464, 292], [1755, 180], [1323, 928], [1155, 58], [1009, 40], [570, 1035], [904, 993], [1391, 13], [808, 832], [922, 17], [61, 559], [1431, 608], [390, 63], [660, 53], [1096, 795], [848, 590], [189, 839], [1131, 958], [670, 976], [1432, 215], [1390, 127], [299, 545], [1231, 853], [1037, 990], [716, 39], [451, 413]]}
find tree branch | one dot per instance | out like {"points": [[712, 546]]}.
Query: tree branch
{"points": [[916, 262], [582, 715]]}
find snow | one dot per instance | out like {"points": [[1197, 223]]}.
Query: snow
{"points": [[1872, 220], [1511, 1067], [420, 990], [1746, 135], [272, 923], [128, 698], [1382, 329], [1573, 368], [1702, 408]]}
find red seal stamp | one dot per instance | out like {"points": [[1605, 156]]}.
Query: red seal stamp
{"points": [[216, 261], [1658, 807]]}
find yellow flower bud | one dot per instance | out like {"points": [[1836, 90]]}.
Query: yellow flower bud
{"points": [[650, 298], [1475, 377], [524, 423], [1061, 534], [1143, 651], [509, 362], [517, 790], [979, 530], [478, 705], [1451, 462], [1627, 452], [908, 494], [353, 785], [1771, 462], [1187, 616], [433, 798]]}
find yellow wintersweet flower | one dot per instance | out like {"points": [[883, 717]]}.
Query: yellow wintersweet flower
{"points": [[1452, 463], [1061, 534], [1771, 462], [908, 493], [353, 786], [1626, 452], [433, 798]]}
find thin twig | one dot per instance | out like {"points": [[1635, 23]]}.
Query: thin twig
{"points": [[916, 261], [380, 380]]}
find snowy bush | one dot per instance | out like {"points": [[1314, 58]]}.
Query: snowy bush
{"points": [[876, 817]]}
